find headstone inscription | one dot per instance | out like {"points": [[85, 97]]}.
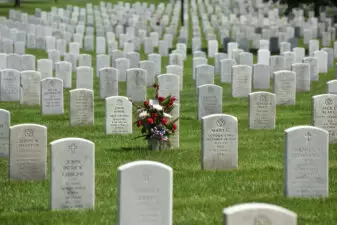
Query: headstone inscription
{"points": [[27, 152], [72, 174], [145, 189], [306, 162], [219, 142], [118, 115]]}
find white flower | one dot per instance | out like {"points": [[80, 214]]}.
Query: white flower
{"points": [[167, 115], [158, 107], [142, 115]]}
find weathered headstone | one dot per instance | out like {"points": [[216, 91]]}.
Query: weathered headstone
{"points": [[261, 76], [313, 62], [85, 77], [108, 82], [219, 142], [52, 96], [72, 174], [27, 152], [285, 87], [118, 115], [209, 100], [64, 72], [45, 67], [302, 71], [241, 81], [5, 123], [258, 214], [324, 114], [306, 162], [262, 110], [145, 189], [81, 107], [136, 83], [30, 87], [10, 85]]}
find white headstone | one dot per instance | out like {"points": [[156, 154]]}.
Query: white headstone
{"points": [[81, 107], [145, 189], [306, 162], [219, 142], [72, 174], [52, 96], [28, 152], [118, 115]]}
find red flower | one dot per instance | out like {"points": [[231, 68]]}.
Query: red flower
{"points": [[173, 99], [150, 120], [146, 103], [164, 121], [174, 126], [139, 123], [160, 98], [154, 115]]}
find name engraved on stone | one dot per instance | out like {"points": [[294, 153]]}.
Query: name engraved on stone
{"points": [[28, 152], [72, 175]]}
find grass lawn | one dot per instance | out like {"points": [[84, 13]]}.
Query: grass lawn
{"points": [[199, 196]]}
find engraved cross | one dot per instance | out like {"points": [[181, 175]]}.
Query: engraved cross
{"points": [[308, 137]]}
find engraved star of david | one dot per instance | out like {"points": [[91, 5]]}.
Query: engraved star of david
{"points": [[72, 148], [29, 132]]}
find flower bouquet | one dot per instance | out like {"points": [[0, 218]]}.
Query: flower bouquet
{"points": [[155, 121]]}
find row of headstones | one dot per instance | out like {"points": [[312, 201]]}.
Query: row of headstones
{"points": [[50, 43], [285, 83], [220, 132], [73, 161], [73, 180]]}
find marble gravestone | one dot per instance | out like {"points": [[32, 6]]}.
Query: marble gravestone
{"points": [[169, 85], [241, 81], [5, 123], [45, 67], [204, 74], [145, 188], [306, 162], [63, 70], [226, 70], [27, 152], [261, 76], [285, 87], [52, 96], [197, 61], [10, 85], [262, 110], [219, 142], [313, 62], [85, 77], [81, 107], [72, 174], [258, 214], [303, 78], [324, 114], [149, 67], [30, 87], [136, 83], [118, 115], [175, 138], [332, 87], [108, 82], [209, 100]]}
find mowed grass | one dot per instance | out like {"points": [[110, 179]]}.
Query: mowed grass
{"points": [[199, 196]]}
